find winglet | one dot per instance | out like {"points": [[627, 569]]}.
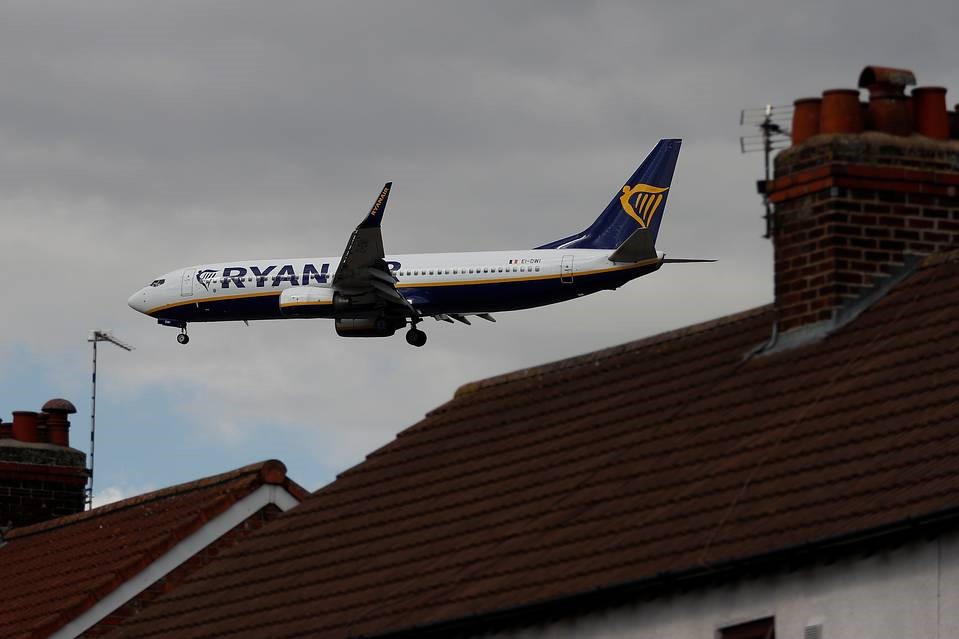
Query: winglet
{"points": [[375, 216]]}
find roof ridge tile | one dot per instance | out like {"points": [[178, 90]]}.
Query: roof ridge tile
{"points": [[594, 356]]}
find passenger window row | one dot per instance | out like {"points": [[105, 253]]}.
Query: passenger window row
{"points": [[224, 280], [466, 271]]}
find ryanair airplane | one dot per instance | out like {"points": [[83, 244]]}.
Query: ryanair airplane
{"points": [[370, 294]]}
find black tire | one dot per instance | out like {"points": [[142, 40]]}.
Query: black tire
{"points": [[183, 338], [415, 337]]}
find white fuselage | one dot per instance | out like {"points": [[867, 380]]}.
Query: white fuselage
{"points": [[477, 282]]}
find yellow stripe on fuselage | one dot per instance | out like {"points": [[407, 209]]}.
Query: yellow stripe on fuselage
{"points": [[288, 304]]}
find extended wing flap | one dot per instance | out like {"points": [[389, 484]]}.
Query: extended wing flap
{"points": [[388, 292], [381, 275]]}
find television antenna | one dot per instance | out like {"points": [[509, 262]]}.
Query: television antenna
{"points": [[96, 337], [773, 135]]}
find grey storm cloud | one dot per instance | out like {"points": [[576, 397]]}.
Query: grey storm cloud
{"points": [[137, 137]]}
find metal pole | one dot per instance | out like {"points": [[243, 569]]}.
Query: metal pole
{"points": [[97, 336], [93, 423], [767, 149]]}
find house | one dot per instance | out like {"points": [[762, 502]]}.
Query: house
{"points": [[789, 471], [81, 574]]}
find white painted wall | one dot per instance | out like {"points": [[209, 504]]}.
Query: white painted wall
{"points": [[909, 593]]}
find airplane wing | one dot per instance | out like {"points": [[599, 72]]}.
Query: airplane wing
{"points": [[362, 271]]}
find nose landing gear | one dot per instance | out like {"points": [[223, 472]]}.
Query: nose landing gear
{"points": [[182, 338]]}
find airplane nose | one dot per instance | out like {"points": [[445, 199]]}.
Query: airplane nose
{"points": [[138, 300]]}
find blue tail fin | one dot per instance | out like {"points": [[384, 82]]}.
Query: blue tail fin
{"points": [[639, 204]]}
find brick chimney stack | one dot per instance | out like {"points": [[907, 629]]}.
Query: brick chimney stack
{"points": [[41, 477], [865, 187]]}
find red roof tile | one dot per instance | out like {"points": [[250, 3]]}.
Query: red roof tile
{"points": [[664, 456], [53, 571]]}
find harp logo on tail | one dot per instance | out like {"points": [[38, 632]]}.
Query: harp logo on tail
{"points": [[641, 202]]}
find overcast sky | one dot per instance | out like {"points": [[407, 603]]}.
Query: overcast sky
{"points": [[139, 137]]}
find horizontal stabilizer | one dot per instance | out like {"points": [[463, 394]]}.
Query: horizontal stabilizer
{"points": [[638, 247]]}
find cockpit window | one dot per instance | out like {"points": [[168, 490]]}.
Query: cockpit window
{"points": [[156, 283]]}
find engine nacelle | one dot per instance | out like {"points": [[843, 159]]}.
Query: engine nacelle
{"points": [[368, 326], [306, 301]]}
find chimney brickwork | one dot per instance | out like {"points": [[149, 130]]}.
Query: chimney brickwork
{"points": [[852, 207], [41, 477]]}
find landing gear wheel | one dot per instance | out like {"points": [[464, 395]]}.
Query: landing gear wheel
{"points": [[183, 338], [415, 337]]}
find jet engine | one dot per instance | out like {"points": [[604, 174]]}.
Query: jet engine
{"points": [[369, 327]]}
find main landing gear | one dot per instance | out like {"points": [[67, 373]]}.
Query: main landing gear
{"points": [[414, 336]]}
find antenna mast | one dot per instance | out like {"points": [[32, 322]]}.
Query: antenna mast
{"points": [[773, 135], [95, 337]]}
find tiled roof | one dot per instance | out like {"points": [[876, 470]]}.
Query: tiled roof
{"points": [[661, 457], [55, 570]]}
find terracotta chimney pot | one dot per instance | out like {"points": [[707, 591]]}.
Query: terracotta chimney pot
{"points": [[841, 112], [805, 118], [891, 114], [930, 116], [58, 426], [889, 106], [25, 426]]}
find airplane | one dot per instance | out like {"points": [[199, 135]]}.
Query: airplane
{"points": [[371, 294]]}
